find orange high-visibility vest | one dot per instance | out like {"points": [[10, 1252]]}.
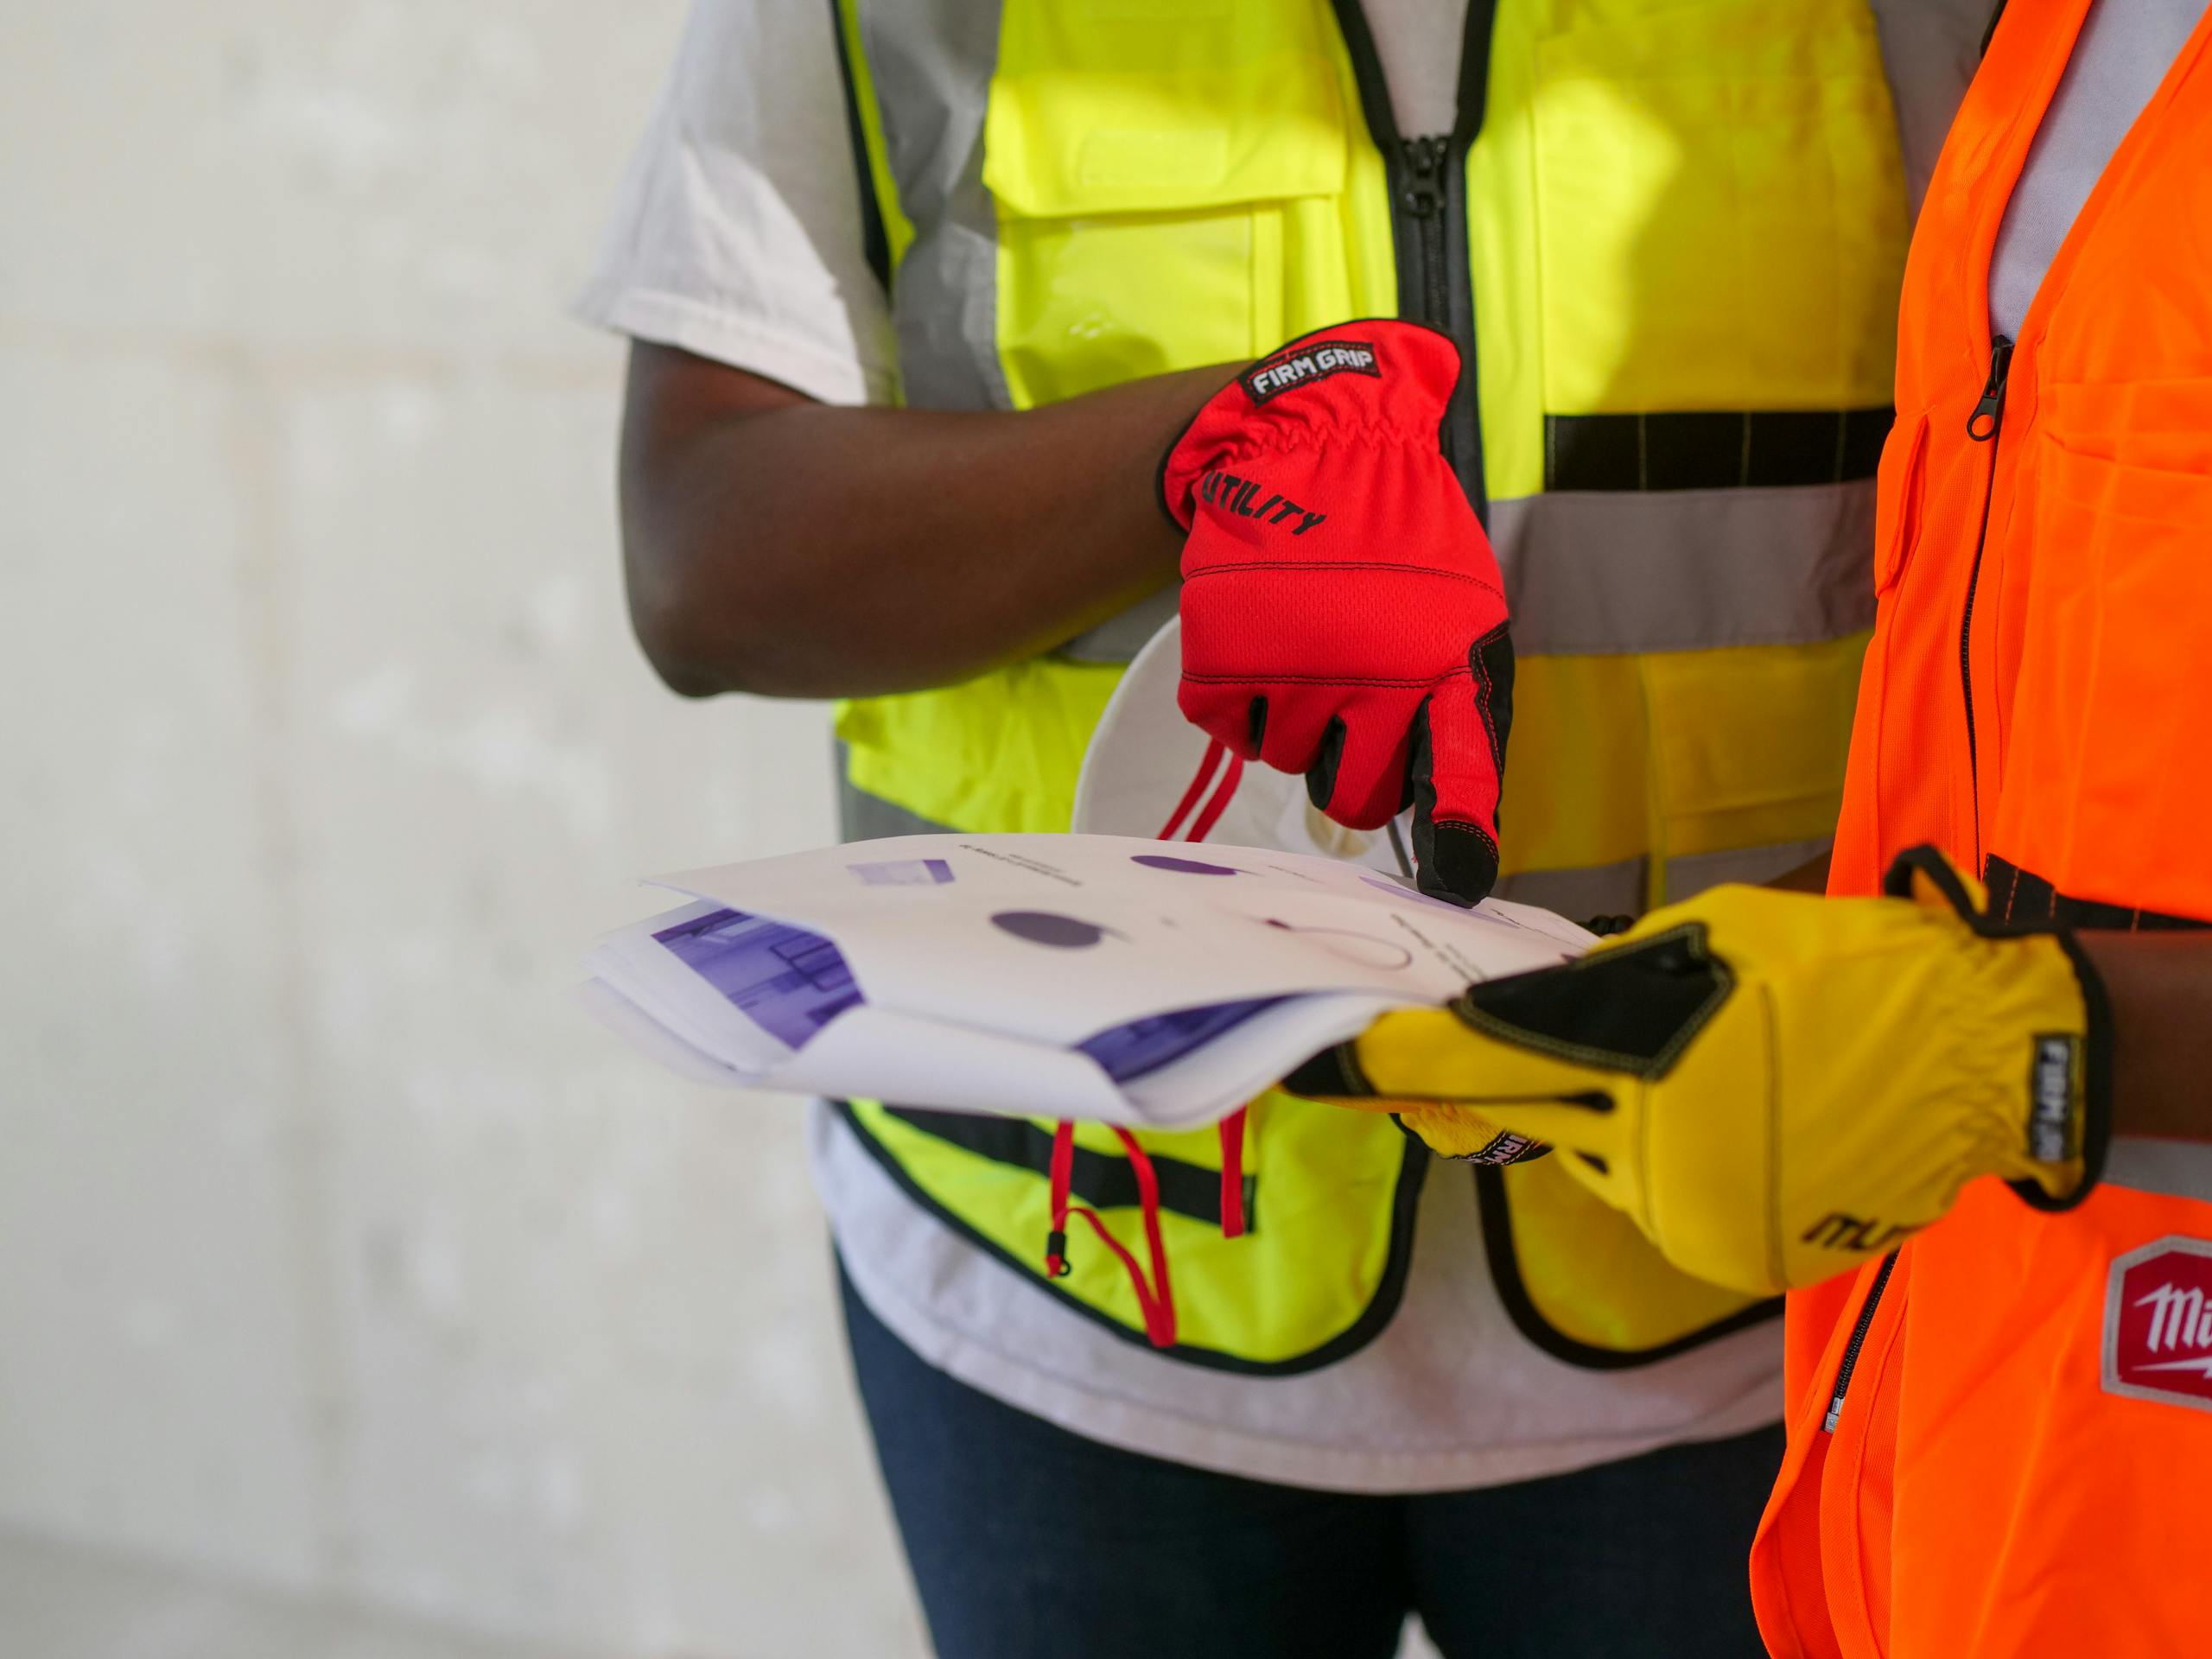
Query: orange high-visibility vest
{"points": [[2001, 1439]]}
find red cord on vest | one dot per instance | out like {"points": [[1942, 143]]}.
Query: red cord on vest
{"points": [[1155, 1295], [1232, 1173], [1056, 1242]]}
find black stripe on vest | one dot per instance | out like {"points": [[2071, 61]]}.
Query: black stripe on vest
{"points": [[1103, 1180], [2015, 895], [1722, 449]]}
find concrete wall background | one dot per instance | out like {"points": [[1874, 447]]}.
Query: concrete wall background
{"points": [[336, 1251]]}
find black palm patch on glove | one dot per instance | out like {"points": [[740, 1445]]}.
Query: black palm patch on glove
{"points": [[1631, 1009]]}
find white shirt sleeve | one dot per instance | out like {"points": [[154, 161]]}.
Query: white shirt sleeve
{"points": [[736, 231]]}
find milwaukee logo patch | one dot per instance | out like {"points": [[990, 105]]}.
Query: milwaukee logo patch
{"points": [[2158, 1324], [1308, 364], [2054, 1085], [1241, 497]]}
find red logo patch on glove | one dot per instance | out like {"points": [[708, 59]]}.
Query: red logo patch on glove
{"points": [[1343, 614]]}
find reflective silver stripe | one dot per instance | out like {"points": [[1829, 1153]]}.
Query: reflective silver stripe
{"points": [[2175, 1169], [1118, 638], [931, 62], [1621, 889], [863, 816], [1613, 572], [1587, 571], [1692, 874], [1601, 572], [1578, 895]]}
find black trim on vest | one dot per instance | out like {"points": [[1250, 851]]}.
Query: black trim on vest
{"points": [[2020, 899], [1721, 450], [1520, 1307], [1390, 1289], [875, 242], [1103, 1180]]}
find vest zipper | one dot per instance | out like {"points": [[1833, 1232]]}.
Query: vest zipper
{"points": [[1428, 179], [1983, 426], [1858, 1341], [1420, 166]]}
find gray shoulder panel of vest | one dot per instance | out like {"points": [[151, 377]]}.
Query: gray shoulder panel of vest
{"points": [[2177, 1169], [1579, 895], [1623, 889], [1603, 571], [931, 62]]}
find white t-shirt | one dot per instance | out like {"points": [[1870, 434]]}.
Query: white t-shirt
{"points": [[2123, 51], [736, 235]]}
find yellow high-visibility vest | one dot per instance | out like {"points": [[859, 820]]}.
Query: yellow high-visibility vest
{"points": [[1668, 236]]}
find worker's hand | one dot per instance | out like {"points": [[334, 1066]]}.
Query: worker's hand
{"points": [[1773, 1086], [1343, 614]]}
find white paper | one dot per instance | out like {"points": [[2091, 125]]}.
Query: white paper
{"points": [[970, 972]]}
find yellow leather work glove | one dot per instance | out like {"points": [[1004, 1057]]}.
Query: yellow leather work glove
{"points": [[1773, 1086]]}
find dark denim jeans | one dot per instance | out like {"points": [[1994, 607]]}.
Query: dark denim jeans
{"points": [[1029, 1542]]}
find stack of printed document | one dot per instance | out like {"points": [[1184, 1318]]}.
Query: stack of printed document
{"points": [[1151, 984]]}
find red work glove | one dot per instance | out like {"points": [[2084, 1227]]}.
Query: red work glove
{"points": [[1343, 614]]}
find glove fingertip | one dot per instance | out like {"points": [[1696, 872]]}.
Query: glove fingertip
{"points": [[1456, 863], [1321, 775]]}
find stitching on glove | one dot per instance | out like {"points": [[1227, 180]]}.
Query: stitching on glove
{"points": [[1471, 828], [1259, 678], [2097, 1037], [2096, 1082], [1692, 934], [1479, 664], [1222, 569]]}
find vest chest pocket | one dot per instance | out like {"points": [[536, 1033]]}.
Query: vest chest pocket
{"points": [[1721, 208], [2105, 602], [1168, 181], [1904, 483]]}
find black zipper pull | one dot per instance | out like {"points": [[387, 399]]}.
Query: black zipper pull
{"points": [[1424, 191], [1989, 414]]}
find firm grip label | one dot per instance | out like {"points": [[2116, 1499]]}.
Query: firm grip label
{"points": [[1308, 364]]}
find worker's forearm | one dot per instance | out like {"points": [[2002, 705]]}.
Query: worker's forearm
{"points": [[804, 550], [2160, 985]]}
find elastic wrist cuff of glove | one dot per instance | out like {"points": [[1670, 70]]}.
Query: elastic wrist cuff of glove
{"points": [[2096, 1081], [1383, 327], [1180, 521], [2097, 1037], [1502, 1148]]}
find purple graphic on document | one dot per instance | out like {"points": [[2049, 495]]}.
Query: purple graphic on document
{"points": [[1181, 865], [1049, 927], [904, 873], [1126, 1052], [786, 980]]}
